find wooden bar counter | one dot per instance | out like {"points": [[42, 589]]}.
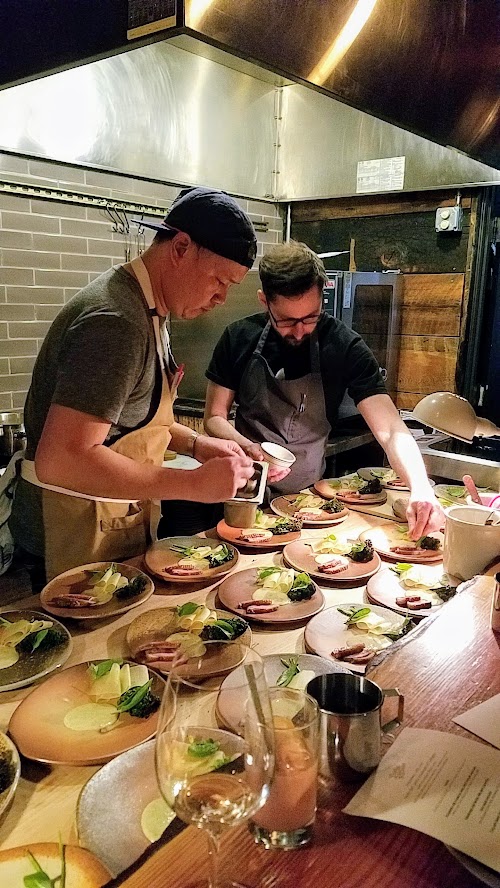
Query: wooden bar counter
{"points": [[449, 666]]}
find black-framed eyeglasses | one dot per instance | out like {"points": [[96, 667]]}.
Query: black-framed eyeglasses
{"points": [[289, 323]]}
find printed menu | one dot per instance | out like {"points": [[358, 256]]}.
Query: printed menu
{"points": [[443, 785]]}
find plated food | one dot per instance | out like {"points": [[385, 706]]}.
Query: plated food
{"points": [[271, 594], [119, 833], [281, 670], [388, 478], [451, 494], [96, 591], [394, 542], [155, 637], [88, 714], [352, 490], [10, 770], [189, 559], [334, 557], [353, 634], [418, 590], [268, 532], [309, 508], [31, 646], [457, 494], [45, 862]]}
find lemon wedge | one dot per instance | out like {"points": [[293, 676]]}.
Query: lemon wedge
{"points": [[155, 819]]}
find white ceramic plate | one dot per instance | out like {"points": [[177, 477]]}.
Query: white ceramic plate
{"points": [[76, 580], [386, 586], [381, 472], [230, 708], [285, 506], [39, 663], [387, 536], [38, 730], [327, 632], [113, 832]]}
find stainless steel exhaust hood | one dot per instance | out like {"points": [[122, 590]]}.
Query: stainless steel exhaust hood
{"points": [[428, 66]]}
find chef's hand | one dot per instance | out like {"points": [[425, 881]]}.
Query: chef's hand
{"points": [[206, 448], [424, 513], [218, 479], [274, 473]]}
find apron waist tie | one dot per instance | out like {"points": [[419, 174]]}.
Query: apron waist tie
{"points": [[29, 474]]}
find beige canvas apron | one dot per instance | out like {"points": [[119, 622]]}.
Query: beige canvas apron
{"points": [[82, 530]]}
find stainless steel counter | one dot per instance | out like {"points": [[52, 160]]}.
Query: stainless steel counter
{"points": [[452, 459], [341, 443]]}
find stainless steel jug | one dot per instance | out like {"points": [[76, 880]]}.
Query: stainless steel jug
{"points": [[12, 435]]}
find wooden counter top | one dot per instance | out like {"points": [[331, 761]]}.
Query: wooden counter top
{"points": [[451, 666]]}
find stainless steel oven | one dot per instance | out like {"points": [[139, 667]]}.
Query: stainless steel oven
{"points": [[370, 303]]}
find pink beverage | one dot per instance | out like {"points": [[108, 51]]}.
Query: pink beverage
{"points": [[292, 801]]}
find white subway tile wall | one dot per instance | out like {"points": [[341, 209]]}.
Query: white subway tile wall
{"points": [[49, 250]]}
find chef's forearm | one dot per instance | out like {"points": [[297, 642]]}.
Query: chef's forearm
{"points": [[219, 427], [181, 440], [392, 434], [406, 459], [102, 472]]}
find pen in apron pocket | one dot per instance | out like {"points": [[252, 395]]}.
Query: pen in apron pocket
{"points": [[177, 378], [302, 405]]}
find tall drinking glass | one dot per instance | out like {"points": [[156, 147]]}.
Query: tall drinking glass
{"points": [[215, 779], [287, 819]]}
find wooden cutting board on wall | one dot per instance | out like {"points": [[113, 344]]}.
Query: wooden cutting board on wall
{"points": [[430, 327]]}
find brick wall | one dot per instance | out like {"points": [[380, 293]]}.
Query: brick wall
{"points": [[50, 250]]}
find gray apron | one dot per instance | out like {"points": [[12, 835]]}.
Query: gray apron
{"points": [[290, 412]]}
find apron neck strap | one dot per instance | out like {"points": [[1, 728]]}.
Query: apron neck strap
{"points": [[314, 346], [262, 339], [142, 275]]}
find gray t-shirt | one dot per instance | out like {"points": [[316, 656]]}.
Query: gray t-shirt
{"points": [[99, 357]]}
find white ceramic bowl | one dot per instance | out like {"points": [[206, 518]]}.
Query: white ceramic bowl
{"points": [[276, 455]]}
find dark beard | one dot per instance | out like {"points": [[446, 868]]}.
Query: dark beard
{"points": [[293, 343]]}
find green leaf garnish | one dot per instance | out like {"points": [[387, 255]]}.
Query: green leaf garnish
{"points": [[292, 669], [97, 670], [456, 491], [203, 748], [265, 572], [39, 636], [401, 567], [217, 558], [184, 550], [62, 852], [354, 615], [141, 692], [185, 610], [40, 879]]}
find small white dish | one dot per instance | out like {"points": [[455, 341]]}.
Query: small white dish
{"points": [[488, 500], [276, 455]]}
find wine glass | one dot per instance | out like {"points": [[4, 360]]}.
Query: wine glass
{"points": [[212, 778]]}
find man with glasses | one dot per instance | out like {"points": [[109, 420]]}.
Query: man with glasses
{"points": [[288, 369]]}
